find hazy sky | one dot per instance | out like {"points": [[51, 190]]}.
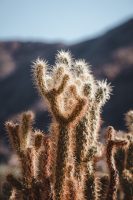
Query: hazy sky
{"points": [[60, 20]]}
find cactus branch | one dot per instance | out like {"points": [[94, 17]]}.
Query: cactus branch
{"points": [[112, 144]]}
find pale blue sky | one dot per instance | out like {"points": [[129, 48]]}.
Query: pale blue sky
{"points": [[60, 20]]}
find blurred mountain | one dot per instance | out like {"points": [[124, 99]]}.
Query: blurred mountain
{"points": [[111, 57]]}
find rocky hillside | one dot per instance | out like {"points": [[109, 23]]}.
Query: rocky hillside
{"points": [[111, 56]]}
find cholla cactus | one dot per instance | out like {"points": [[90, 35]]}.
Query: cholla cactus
{"points": [[61, 165], [76, 131], [124, 160], [32, 149], [97, 93], [112, 144], [63, 120]]}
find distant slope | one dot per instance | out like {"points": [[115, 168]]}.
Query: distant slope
{"points": [[111, 57]]}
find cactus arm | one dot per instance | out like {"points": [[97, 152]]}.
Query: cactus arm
{"points": [[112, 144], [13, 134]]}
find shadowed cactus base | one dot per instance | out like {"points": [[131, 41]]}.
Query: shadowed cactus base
{"points": [[62, 164]]}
